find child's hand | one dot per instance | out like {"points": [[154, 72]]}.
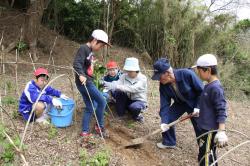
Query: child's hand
{"points": [[82, 79], [221, 139]]}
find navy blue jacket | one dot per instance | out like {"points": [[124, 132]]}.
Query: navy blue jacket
{"points": [[212, 106], [189, 85]]}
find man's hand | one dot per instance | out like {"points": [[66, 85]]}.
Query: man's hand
{"points": [[196, 112], [57, 103], [64, 97], [221, 139], [82, 79], [164, 127]]}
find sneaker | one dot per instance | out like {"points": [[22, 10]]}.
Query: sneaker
{"points": [[104, 131], [85, 136], [161, 146], [139, 118], [43, 119]]}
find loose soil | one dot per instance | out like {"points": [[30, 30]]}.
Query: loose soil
{"points": [[45, 145]]}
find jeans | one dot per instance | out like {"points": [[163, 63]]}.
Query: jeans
{"points": [[123, 102], [99, 103], [175, 111]]}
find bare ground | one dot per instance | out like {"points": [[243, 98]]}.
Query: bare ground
{"points": [[45, 145]]}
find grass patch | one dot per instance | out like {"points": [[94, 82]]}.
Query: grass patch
{"points": [[100, 158]]}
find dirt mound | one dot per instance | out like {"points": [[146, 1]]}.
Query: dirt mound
{"points": [[46, 145]]}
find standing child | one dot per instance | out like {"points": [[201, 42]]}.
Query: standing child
{"points": [[212, 111], [84, 66]]}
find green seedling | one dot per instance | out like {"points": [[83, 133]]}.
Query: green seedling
{"points": [[52, 133]]}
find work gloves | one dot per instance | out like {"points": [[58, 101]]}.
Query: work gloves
{"points": [[108, 85], [221, 139], [64, 97], [196, 112], [164, 127], [57, 103]]}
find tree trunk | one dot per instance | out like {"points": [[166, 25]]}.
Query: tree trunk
{"points": [[32, 24]]}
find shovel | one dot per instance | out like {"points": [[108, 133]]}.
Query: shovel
{"points": [[141, 140]]}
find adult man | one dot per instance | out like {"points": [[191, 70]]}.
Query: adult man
{"points": [[184, 88]]}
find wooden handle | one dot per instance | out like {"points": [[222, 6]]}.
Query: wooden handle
{"points": [[171, 124]]}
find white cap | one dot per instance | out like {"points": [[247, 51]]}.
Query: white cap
{"points": [[131, 64], [99, 34], [206, 60]]}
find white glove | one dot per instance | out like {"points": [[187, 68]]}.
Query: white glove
{"points": [[221, 139], [109, 85], [196, 112], [164, 127], [57, 103], [64, 97]]}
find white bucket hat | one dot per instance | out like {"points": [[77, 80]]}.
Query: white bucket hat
{"points": [[131, 64], [99, 34], [206, 60]]}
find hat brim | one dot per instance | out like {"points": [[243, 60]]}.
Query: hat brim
{"points": [[156, 76]]}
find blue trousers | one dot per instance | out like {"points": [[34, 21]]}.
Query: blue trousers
{"points": [[175, 111], [99, 103], [123, 103]]}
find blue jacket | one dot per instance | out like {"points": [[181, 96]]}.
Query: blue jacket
{"points": [[30, 95], [189, 85], [212, 106]]}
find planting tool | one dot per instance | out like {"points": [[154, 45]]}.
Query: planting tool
{"points": [[141, 140]]}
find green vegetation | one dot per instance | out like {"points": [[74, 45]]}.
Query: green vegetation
{"points": [[52, 133], [9, 100], [100, 158], [7, 150], [21, 46]]}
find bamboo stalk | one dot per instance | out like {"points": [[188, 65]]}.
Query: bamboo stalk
{"points": [[17, 149], [51, 51], [33, 109], [32, 62]]}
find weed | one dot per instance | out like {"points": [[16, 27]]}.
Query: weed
{"points": [[100, 158], [21, 46], [83, 155], [130, 124], [52, 133], [9, 100], [7, 149]]}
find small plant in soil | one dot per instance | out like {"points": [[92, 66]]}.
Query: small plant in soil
{"points": [[52, 133], [100, 158], [21, 46], [7, 150]]}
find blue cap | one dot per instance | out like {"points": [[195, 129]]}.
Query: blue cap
{"points": [[160, 67]]}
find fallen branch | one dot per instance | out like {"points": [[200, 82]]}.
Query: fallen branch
{"points": [[33, 109], [17, 149], [234, 148]]}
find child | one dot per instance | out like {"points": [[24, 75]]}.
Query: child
{"points": [[212, 111], [113, 75], [130, 91], [32, 91], [113, 72], [83, 66]]}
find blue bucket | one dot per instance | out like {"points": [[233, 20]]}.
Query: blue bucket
{"points": [[62, 118]]}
